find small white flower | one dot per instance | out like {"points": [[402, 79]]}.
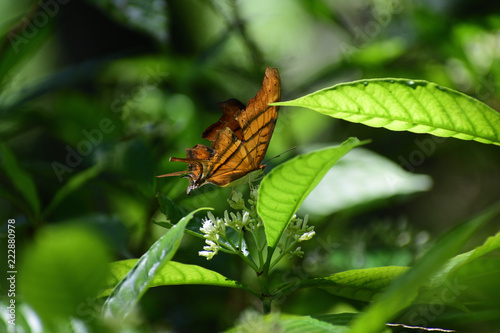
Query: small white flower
{"points": [[245, 218], [227, 220], [211, 246], [307, 236], [208, 226], [208, 254], [211, 249], [244, 250]]}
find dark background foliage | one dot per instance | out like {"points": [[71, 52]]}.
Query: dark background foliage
{"points": [[97, 95]]}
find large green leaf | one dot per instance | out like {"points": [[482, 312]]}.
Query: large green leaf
{"points": [[359, 284], [491, 244], [284, 189], [174, 273], [459, 265], [129, 290], [22, 180], [407, 105], [290, 324], [404, 290]]}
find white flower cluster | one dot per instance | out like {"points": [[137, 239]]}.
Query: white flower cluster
{"points": [[214, 231], [298, 231], [228, 233]]}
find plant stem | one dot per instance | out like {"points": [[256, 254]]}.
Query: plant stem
{"points": [[285, 252], [264, 282]]}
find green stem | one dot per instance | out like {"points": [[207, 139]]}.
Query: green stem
{"points": [[264, 282], [249, 261], [285, 252], [266, 305]]}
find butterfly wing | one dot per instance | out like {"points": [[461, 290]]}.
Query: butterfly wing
{"points": [[258, 120], [228, 119], [239, 139], [233, 161]]}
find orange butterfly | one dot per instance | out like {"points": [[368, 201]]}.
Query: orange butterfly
{"points": [[239, 139]]}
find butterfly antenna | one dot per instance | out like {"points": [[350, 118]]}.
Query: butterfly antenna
{"points": [[272, 158]]}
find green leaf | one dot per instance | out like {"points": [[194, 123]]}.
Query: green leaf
{"points": [[286, 323], [21, 42], [407, 105], [173, 273], [458, 265], [169, 208], [359, 284], [22, 180], [491, 244], [129, 290], [404, 290], [337, 318], [284, 189], [174, 213], [62, 270]]}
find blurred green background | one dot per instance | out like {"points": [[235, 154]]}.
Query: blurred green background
{"points": [[97, 95]]}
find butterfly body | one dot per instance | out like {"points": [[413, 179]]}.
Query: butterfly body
{"points": [[239, 139]]}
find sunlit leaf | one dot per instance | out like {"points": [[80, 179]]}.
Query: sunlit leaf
{"points": [[404, 290], [129, 290], [284, 189], [407, 105], [173, 273]]}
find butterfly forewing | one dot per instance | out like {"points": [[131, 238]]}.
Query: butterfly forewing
{"points": [[235, 161], [258, 119]]}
